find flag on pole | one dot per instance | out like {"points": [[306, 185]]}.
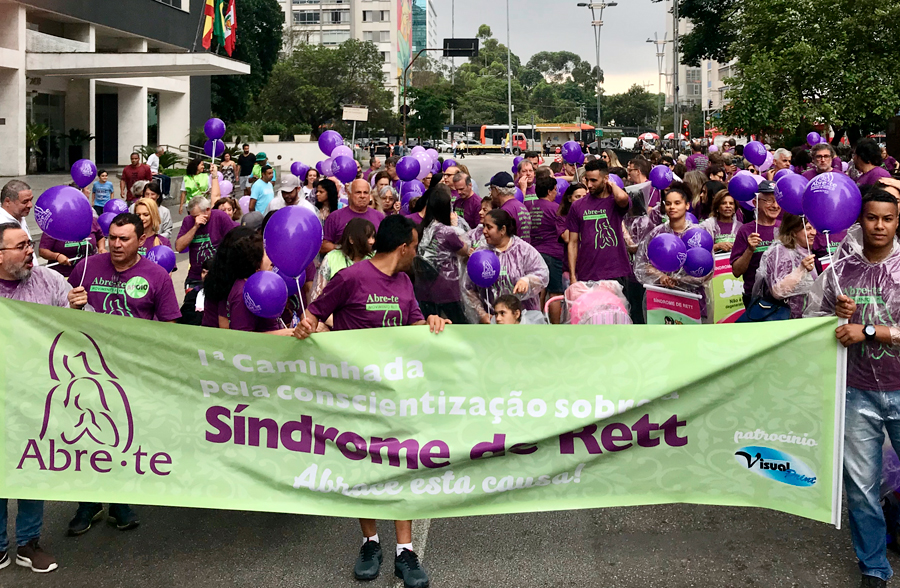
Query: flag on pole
{"points": [[208, 18], [230, 28], [219, 23]]}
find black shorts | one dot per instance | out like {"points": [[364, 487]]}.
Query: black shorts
{"points": [[556, 271]]}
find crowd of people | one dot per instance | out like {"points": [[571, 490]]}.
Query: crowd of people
{"points": [[551, 226]]}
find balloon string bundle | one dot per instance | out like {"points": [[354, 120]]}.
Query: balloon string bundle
{"points": [[837, 283], [300, 296]]}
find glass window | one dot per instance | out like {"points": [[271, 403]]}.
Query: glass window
{"points": [[306, 17], [335, 37]]}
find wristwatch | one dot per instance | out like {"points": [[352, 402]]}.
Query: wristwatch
{"points": [[869, 332]]}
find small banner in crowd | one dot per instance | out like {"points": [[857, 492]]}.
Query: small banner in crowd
{"points": [[399, 423], [725, 292], [672, 307]]}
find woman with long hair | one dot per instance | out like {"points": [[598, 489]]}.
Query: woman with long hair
{"points": [[326, 198], [722, 223], [356, 245], [609, 156], [308, 191], [696, 183], [229, 206], [228, 168], [147, 210], [153, 191], [438, 267], [239, 256]]}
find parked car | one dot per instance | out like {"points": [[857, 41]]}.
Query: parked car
{"points": [[444, 147]]}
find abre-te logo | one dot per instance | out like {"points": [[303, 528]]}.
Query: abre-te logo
{"points": [[43, 217], [682, 257], [251, 305], [822, 183], [776, 465], [695, 240], [487, 270]]}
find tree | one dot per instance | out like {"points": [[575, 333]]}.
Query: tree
{"points": [[800, 62], [430, 108], [636, 107], [313, 84], [258, 43]]}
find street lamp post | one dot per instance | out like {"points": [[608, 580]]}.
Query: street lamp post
{"points": [[597, 22], [508, 80], [661, 62]]}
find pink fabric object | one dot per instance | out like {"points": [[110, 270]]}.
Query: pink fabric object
{"points": [[597, 303]]}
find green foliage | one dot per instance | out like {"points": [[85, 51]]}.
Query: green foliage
{"points": [[33, 135], [78, 136], [431, 106], [259, 40], [312, 85], [636, 107], [801, 62]]}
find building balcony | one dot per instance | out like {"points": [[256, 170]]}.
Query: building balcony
{"points": [[37, 42], [132, 65]]}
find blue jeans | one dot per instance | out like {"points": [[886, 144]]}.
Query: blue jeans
{"points": [[868, 415], [29, 521]]}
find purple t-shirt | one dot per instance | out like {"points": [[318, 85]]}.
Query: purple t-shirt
{"points": [[206, 239], [211, 312], [813, 172], [363, 297], [546, 227], [336, 221], [767, 234], [142, 291], [154, 241], [522, 217], [240, 318], [872, 176], [74, 250], [696, 161], [43, 286], [469, 209], [820, 245], [602, 254]]}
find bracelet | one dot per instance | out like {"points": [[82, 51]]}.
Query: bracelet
{"points": [[57, 257]]}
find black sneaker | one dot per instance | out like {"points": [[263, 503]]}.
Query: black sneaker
{"points": [[871, 582], [407, 566], [85, 516], [123, 517], [369, 561], [4, 560]]}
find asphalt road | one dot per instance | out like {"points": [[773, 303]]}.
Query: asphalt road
{"points": [[669, 546]]}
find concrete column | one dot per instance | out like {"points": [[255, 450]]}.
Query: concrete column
{"points": [[174, 117], [80, 110], [132, 121], [13, 158], [132, 45]]}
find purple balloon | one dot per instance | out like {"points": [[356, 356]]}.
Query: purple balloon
{"points": [[417, 149], [300, 170], [519, 195], [743, 187], [781, 173], [561, 186], [329, 141], [342, 150], [408, 168], [748, 205], [214, 128], [570, 152], [614, 179], [755, 153], [424, 163], [226, 188], [699, 262], [290, 282], [484, 268], [832, 202], [328, 167], [343, 201], [292, 238], [433, 154], [689, 216], [83, 172], [265, 294], [667, 252], [813, 138], [448, 163], [515, 166], [115, 206], [410, 190], [436, 167], [162, 256], [64, 213], [344, 168], [214, 148], [789, 193], [697, 237], [661, 177], [105, 220]]}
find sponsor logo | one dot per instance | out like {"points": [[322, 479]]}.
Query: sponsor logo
{"points": [[137, 287], [776, 465]]}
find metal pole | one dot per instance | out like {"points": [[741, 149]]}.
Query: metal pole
{"points": [[508, 78], [353, 140], [452, 64], [597, 30], [676, 114]]}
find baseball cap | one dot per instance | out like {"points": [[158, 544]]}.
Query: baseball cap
{"points": [[766, 187], [289, 183], [261, 156], [252, 219], [501, 180]]}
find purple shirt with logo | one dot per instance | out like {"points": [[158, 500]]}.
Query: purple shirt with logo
{"points": [[74, 250], [363, 297], [469, 209], [546, 227], [522, 217], [142, 291], [154, 241], [337, 220], [206, 239], [768, 236], [602, 254]]}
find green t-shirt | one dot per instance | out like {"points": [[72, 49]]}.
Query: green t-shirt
{"points": [[196, 185]]}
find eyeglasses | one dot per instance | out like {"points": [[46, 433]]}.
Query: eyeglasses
{"points": [[20, 247], [823, 156]]}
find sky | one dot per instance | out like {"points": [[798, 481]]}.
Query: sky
{"points": [[560, 25]]}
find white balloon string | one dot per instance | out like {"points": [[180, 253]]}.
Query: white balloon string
{"points": [[831, 263], [84, 269], [300, 296], [806, 234]]}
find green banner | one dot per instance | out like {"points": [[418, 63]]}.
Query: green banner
{"points": [[399, 423]]}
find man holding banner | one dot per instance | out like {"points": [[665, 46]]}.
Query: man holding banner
{"points": [[863, 288], [370, 294]]}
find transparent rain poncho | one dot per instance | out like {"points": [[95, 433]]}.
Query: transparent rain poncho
{"points": [[647, 274], [438, 266], [875, 287], [782, 274], [713, 227], [520, 260]]}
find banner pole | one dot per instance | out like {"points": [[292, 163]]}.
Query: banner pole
{"points": [[840, 399]]}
